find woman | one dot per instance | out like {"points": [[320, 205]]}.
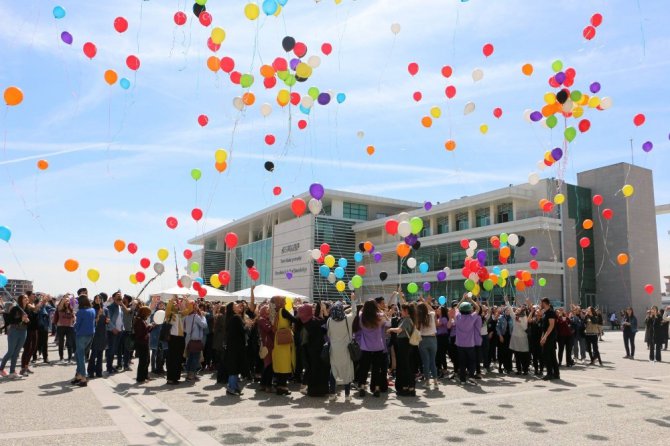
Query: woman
{"points": [[99, 342], [442, 336], [283, 353], [405, 379], [592, 332], [658, 325], [84, 328], [266, 336], [64, 331], [156, 345], [339, 331], [16, 322], [30, 344], [313, 321], [519, 341], [504, 331], [372, 328], [565, 338], [176, 310], [534, 336], [629, 324], [467, 328], [235, 347], [142, 330], [219, 345], [195, 325], [425, 323]]}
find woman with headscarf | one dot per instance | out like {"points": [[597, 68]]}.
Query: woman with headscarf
{"points": [[283, 353], [519, 341], [267, 340], [177, 309], [235, 347], [313, 320], [339, 329], [141, 331]]}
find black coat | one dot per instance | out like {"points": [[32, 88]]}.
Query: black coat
{"points": [[658, 329], [235, 360]]}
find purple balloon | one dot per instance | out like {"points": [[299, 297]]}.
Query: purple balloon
{"points": [[428, 205], [557, 154], [316, 191], [289, 275], [426, 286], [411, 239], [323, 98], [481, 255], [66, 37], [560, 77], [595, 87], [647, 146], [533, 251], [378, 257], [441, 276], [294, 63], [535, 116]]}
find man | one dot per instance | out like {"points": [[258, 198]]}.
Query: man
{"points": [[548, 340], [114, 329], [127, 342]]}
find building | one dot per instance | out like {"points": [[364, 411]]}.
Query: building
{"points": [[17, 287], [279, 243]]}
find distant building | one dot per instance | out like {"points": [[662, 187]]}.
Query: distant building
{"points": [[17, 287], [667, 285]]}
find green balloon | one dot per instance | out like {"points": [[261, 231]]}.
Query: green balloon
{"points": [[357, 281], [247, 80], [195, 267], [282, 75], [412, 288], [469, 284], [313, 93], [542, 281], [557, 66], [290, 80], [570, 134], [416, 224], [488, 284], [503, 237], [576, 95], [552, 121], [201, 2], [196, 174]]}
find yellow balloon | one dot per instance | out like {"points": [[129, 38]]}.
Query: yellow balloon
{"points": [[483, 128], [559, 198], [214, 281], [218, 35], [435, 112], [476, 290], [283, 96], [340, 286], [503, 282], [329, 261], [278, 11], [163, 254], [577, 112], [303, 70], [550, 98], [584, 100], [251, 11], [221, 156], [93, 275], [594, 102], [133, 279], [289, 304], [628, 190], [504, 274]]}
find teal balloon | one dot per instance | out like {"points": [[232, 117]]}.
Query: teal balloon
{"points": [[124, 83], [270, 7], [305, 110], [342, 263], [5, 233], [423, 267], [282, 2], [441, 300], [339, 272], [59, 12], [496, 270], [358, 257], [341, 97], [3, 280], [324, 270]]}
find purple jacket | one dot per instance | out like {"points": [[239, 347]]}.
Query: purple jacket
{"points": [[467, 327], [372, 339]]}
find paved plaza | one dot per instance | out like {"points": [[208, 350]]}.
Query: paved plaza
{"points": [[623, 402]]}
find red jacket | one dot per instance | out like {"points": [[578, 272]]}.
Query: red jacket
{"points": [[564, 328]]}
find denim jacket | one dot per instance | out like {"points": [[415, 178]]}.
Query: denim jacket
{"points": [[503, 322]]}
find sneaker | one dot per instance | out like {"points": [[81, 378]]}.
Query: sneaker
{"points": [[347, 398], [14, 376], [23, 372], [471, 382], [332, 397], [233, 392], [29, 371], [3, 373], [303, 390]]}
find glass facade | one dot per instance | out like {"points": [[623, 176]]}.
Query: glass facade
{"points": [[261, 253], [579, 209], [355, 211], [339, 235], [482, 217], [462, 221], [443, 225], [213, 263], [505, 213]]}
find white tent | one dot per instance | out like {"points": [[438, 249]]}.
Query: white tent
{"points": [[213, 294], [267, 292]]}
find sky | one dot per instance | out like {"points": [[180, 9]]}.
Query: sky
{"points": [[120, 160]]}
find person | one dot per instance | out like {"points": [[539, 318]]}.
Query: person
{"points": [[371, 340], [283, 352], [339, 329], [195, 324], [157, 346], [579, 338], [84, 328], [99, 341], [442, 333], [30, 344], [483, 356], [629, 322], [267, 341], [492, 336], [534, 336], [405, 378], [452, 350], [548, 340], [127, 341], [658, 325], [519, 341], [467, 327], [504, 332], [565, 337], [219, 345], [425, 323], [64, 331], [142, 330], [177, 309], [235, 347], [592, 333], [16, 322], [313, 317], [614, 323], [43, 325]]}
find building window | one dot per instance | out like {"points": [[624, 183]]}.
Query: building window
{"points": [[381, 215], [355, 211], [443, 225], [462, 221], [327, 209], [210, 244], [482, 217], [504, 213], [425, 232]]}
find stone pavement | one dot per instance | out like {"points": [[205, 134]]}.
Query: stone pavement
{"points": [[623, 402]]}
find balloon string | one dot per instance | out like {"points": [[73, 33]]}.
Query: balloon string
{"points": [[644, 43]]}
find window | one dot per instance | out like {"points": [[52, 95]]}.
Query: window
{"points": [[381, 215], [425, 232], [443, 225], [482, 217], [462, 221], [356, 211], [504, 213], [210, 244], [327, 209]]}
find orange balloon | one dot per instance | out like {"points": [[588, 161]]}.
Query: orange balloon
{"points": [[494, 278], [13, 96], [622, 258], [505, 252], [71, 265], [221, 166], [548, 110], [370, 150], [402, 249], [267, 71], [42, 164], [587, 224], [119, 245], [520, 286], [450, 145], [111, 77], [367, 246], [213, 63], [543, 202], [527, 69], [426, 121], [572, 262], [248, 98]]}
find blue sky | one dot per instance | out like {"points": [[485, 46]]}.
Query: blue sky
{"points": [[120, 160]]}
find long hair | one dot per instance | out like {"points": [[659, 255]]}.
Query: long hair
{"points": [[422, 316], [84, 302], [370, 318], [230, 312], [411, 311]]}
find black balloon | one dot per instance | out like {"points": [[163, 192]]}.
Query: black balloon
{"points": [[361, 246], [522, 240], [250, 263], [288, 43], [416, 245], [383, 275], [197, 9], [269, 166], [562, 96]]}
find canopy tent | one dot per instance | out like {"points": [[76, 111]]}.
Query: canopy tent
{"points": [[267, 292], [212, 293]]}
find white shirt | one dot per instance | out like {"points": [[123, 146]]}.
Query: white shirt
{"points": [[118, 323]]}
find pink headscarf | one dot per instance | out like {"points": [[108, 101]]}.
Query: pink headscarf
{"points": [[305, 313]]}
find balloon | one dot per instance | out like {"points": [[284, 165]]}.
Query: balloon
{"points": [[145, 263], [469, 284], [483, 129], [597, 200], [395, 28], [314, 206], [404, 228], [450, 145], [589, 32], [13, 96], [584, 242], [639, 119], [162, 254], [627, 190], [417, 96], [411, 263], [194, 267], [357, 281], [435, 112], [188, 254], [341, 97], [427, 205], [119, 245], [557, 153], [269, 166], [179, 18], [71, 265], [450, 91], [584, 125], [251, 11], [124, 83], [132, 248], [361, 270], [133, 279], [423, 267], [391, 226], [224, 277], [270, 7], [42, 164], [298, 207], [120, 24], [416, 225], [340, 286], [196, 214], [402, 250], [559, 199], [159, 268], [533, 179], [607, 214], [196, 174], [66, 37], [58, 12], [413, 68], [186, 281], [412, 288], [426, 121], [649, 288], [441, 276], [487, 50], [426, 286], [513, 239], [205, 18], [527, 69], [171, 222], [447, 71], [570, 134], [647, 146], [231, 240], [477, 74], [302, 124], [370, 150], [93, 275], [497, 112]]}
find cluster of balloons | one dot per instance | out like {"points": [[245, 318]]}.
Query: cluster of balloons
{"points": [[589, 31], [298, 205], [220, 279]]}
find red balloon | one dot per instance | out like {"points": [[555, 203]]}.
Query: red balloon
{"points": [[171, 222], [608, 214], [205, 18], [276, 190], [145, 263], [235, 77], [497, 112], [466, 271], [213, 46], [227, 64], [548, 206], [231, 240], [327, 48], [413, 68], [553, 83], [465, 243], [179, 284], [487, 49], [269, 82], [188, 254], [639, 119], [196, 286], [568, 82], [224, 277], [295, 98], [132, 248], [361, 270], [298, 206], [447, 71], [133, 62], [570, 73], [202, 292], [254, 274], [584, 125], [589, 32], [269, 139], [391, 227], [597, 200], [519, 274], [503, 260], [496, 243], [280, 64], [483, 274], [649, 288], [596, 19], [584, 242], [417, 96], [302, 124], [450, 91], [196, 213], [179, 18], [534, 264], [324, 248], [300, 49], [120, 24], [203, 120], [140, 276], [90, 50]]}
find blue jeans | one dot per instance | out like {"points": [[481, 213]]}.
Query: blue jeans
{"points": [[16, 337], [428, 350], [193, 362], [233, 383], [82, 343], [332, 386], [113, 349]]}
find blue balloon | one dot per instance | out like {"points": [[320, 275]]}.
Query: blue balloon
{"points": [[343, 262], [199, 280], [125, 83], [305, 110], [341, 97], [59, 12], [358, 257], [339, 272], [270, 7], [3, 280], [5, 233], [496, 270], [282, 2], [324, 270], [441, 300], [423, 267]]}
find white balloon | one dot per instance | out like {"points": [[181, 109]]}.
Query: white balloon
{"points": [[159, 316], [533, 179], [186, 281], [568, 106], [331, 277], [473, 244], [403, 216], [469, 108], [266, 109], [526, 115], [238, 103], [314, 61], [477, 74], [474, 277], [605, 102], [159, 268], [360, 134], [315, 254], [350, 286], [541, 166], [411, 263], [513, 239], [395, 28], [307, 101], [446, 269], [469, 252], [404, 228], [315, 206]]}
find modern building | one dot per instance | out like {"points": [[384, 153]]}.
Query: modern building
{"points": [[17, 287], [279, 243]]}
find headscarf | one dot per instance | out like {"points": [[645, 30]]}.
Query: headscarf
{"points": [[337, 312], [264, 311], [305, 313]]}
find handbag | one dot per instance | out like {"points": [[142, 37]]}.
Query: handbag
{"points": [[263, 352], [194, 345], [284, 336], [353, 347], [415, 337]]}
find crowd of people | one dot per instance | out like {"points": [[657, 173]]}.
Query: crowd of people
{"points": [[365, 346]]}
